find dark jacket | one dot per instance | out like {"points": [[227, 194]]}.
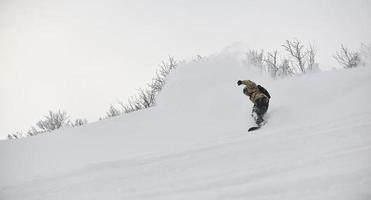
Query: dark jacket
{"points": [[254, 91]]}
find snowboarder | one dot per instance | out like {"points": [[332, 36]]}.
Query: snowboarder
{"points": [[260, 97]]}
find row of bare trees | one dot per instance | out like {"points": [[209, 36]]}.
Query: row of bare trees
{"points": [[301, 59], [52, 121], [348, 58], [146, 96]]}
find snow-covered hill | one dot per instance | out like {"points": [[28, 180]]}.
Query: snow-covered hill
{"points": [[195, 144]]}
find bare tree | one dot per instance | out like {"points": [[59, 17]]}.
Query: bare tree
{"points": [[146, 97], [16, 135], [12, 136], [285, 69], [132, 105], [296, 50], [198, 58], [158, 81], [113, 112], [347, 58], [54, 120], [272, 63], [311, 57], [256, 58], [79, 122], [33, 131]]}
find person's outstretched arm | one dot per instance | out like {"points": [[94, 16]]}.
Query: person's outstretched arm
{"points": [[245, 82]]}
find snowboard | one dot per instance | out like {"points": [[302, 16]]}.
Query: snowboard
{"points": [[254, 128], [257, 127]]}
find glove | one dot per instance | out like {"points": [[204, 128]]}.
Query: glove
{"points": [[239, 82]]}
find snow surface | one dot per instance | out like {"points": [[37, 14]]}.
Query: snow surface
{"points": [[195, 144]]}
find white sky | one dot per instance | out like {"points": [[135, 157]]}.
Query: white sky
{"points": [[81, 56]]}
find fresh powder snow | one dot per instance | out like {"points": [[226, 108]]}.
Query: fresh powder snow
{"points": [[194, 143]]}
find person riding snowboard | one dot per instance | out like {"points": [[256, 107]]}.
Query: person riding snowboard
{"points": [[259, 96]]}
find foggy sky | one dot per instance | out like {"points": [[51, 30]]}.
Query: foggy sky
{"points": [[81, 56]]}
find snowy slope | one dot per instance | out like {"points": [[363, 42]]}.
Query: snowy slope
{"points": [[195, 144]]}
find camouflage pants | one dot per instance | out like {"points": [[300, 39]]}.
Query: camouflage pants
{"points": [[260, 108]]}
